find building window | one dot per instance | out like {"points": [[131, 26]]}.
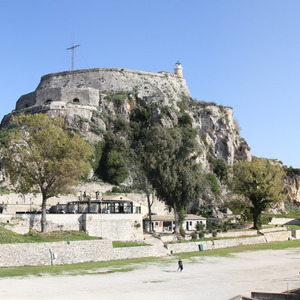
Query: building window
{"points": [[191, 223]]}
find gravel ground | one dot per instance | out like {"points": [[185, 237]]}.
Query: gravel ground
{"points": [[215, 278]]}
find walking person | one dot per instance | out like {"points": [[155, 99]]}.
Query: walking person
{"points": [[180, 265]]}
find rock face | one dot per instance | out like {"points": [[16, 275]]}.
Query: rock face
{"points": [[292, 186], [96, 100]]}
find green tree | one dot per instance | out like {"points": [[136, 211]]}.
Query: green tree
{"points": [[41, 156], [110, 158], [220, 168], [260, 181], [116, 169], [171, 167]]}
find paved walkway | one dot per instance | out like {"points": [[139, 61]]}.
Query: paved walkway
{"points": [[208, 278]]}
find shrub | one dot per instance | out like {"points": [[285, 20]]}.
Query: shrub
{"points": [[220, 168], [121, 124], [94, 128], [201, 235], [211, 178], [119, 98], [194, 235], [237, 126], [185, 120], [199, 226], [115, 189]]}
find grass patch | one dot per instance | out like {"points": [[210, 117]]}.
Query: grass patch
{"points": [[5, 190], [293, 227], [9, 237], [86, 268], [117, 244]]}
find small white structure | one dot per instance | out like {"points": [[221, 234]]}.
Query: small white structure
{"points": [[166, 223], [178, 69]]}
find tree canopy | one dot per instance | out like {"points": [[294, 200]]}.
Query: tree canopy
{"points": [[171, 167], [260, 181], [40, 155]]}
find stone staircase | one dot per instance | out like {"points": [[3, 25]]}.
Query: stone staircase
{"points": [[157, 243]]}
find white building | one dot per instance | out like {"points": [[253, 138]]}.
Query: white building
{"points": [[166, 223]]}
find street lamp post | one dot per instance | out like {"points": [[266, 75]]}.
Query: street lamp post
{"points": [[101, 217]]}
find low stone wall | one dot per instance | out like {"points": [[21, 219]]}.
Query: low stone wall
{"points": [[265, 230], [216, 244], [296, 234], [168, 238], [64, 252], [134, 252], [237, 233], [55, 222], [59, 253], [277, 236], [284, 221]]}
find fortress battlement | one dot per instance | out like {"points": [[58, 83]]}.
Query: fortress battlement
{"points": [[87, 86]]}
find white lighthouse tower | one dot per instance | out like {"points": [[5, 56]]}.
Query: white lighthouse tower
{"points": [[178, 69]]}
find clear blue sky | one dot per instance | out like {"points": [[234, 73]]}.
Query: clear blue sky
{"points": [[239, 53]]}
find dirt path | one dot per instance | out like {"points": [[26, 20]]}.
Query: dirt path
{"points": [[215, 278]]}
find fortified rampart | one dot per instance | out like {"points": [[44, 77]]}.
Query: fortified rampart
{"points": [[86, 86]]}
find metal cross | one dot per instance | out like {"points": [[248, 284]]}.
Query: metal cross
{"points": [[72, 48]]}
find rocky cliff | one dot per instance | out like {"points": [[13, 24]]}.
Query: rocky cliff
{"points": [[292, 184], [96, 101]]}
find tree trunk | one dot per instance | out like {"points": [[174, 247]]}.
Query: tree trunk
{"points": [[149, 212], [43, 216], [256, 220], [176, 229]]}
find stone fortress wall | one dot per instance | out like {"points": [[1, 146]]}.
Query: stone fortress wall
{"points": [[86, 86]]}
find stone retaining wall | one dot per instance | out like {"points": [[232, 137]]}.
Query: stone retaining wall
{"points": [[36, 254], [277, 236], [116, 227], [102, 250], [65, 253], [237, 233], [216, 244]]}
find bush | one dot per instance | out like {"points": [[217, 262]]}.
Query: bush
{"points": [[115, 189], [185, 120], [211, 178], [220, 168], [199, 226], [201, 235], [194, 235]]}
